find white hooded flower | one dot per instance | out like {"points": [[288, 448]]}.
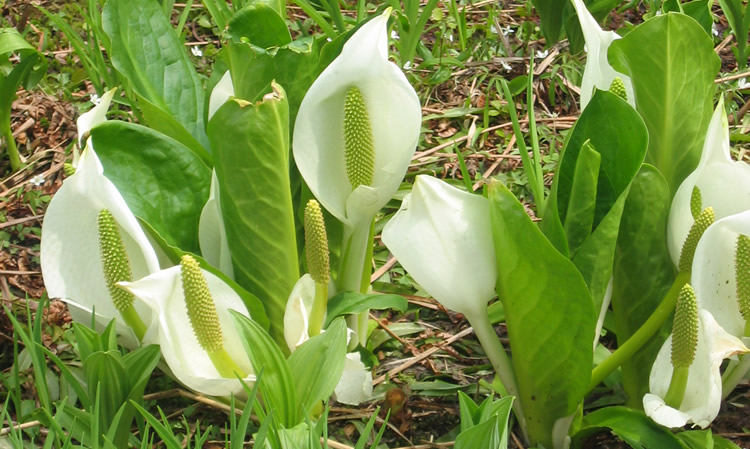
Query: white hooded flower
{"points": [[395, 118], [212, 235], [442, 236], [190, 363], [355, 385], [88, 120], [70, 252], [724, 184], [223, 91], [598, 73], [297, 313], [702, 398]]}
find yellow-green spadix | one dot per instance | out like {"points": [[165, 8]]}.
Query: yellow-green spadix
{"points": [[71, 259], [191, 362]]}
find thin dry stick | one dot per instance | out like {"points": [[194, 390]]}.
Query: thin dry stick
{"points": [[382, 270], [424, 355], [20, 220], [6, 430]]}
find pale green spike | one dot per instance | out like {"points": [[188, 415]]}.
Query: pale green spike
{"points": [[685, 328], [316, 243], [200, 306], [68, 169], [359, 145], [618, 88], [696, 204], [742, 272], [704, 220], [115, 263]]}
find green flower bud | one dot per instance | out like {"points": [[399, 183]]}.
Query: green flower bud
{"points": [[742, 272], [359, 145], [685, 328], [316, 243], [115, 263], [704, 220], [200, 306], [68, 169], [618, 88], [696, 204]]}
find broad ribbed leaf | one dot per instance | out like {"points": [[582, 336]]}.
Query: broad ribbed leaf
{"points": [[347, 303], [674, 85], [549, 313], [643, 273], [107, 371], [162, 181], [146, 51], [251, 153]]}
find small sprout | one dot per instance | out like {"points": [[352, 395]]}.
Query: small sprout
{"points": [[704, 220], [359, 144]]}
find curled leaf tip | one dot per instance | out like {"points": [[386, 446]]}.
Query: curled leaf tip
{"points": [[359, 145], [702, 222], [742, 272], [685, 328], [316, 243], [115, 262], [696, 203], [618, 88], [200, 305]]}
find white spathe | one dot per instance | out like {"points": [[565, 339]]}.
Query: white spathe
{"points": [[190, 363], [598, 73], [395, 116], [212, 235], [297, 313], [88, 120], [724, 184], [442, 236], [355, 385], [70, 254], [702, 398], [713, 276], [223, 91]]}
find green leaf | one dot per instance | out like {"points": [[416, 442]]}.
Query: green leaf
{"points": [[579, 219], [350, 303], [146, 51], [481, 436], [162, 181], [674, 76], [318, 364], [551, 13], [294, 66], [467, 408], [643, 273], [278, 390], [632, 426], [106, 371], [549, 313], [704, 439], [260, 25], [618, 134], [251, 151]]}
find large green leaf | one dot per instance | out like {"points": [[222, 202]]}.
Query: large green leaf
{"points": [[162, 181], [347, 303], [147, 51], [588, 209], [549, 313], [251, 153], [318, 364], [704, 439], [632, 426], [551, 13], [674, 84], [261, 25], [294, 66], [643, 273], [277, 388]]}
